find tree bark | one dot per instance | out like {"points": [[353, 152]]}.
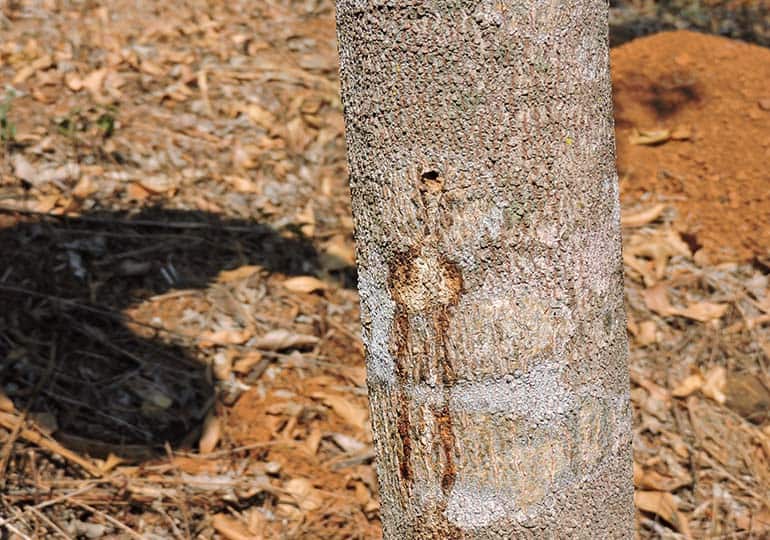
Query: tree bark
{"points": [[485, 199]]}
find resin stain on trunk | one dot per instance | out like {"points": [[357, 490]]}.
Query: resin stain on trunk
{"points": [[425, 287], [423, 280], [489, 264]]}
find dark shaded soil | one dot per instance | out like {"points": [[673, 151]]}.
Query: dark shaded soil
{"points": [[744, 20]]}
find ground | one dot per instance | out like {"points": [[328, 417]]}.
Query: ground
{"points": [[179, 336]]}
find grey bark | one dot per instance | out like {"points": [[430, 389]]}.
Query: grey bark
{"points": [[485, 199]]}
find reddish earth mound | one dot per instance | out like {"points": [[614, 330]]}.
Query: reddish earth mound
{"points": [[713, 96]]}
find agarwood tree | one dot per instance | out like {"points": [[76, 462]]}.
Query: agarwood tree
{"points": [[485, 199]]}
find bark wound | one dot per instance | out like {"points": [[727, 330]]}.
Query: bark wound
{"points": [[400, 341], [425, 284], [423, 281], [431, 182], [447, 439], [404, 427], [455, 151]]}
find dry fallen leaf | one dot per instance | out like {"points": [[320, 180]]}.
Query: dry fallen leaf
{"points": [[653, 480], [305, 495], [243, 272], [760, 520], [678, 445], [361, 494], [748, 396], [345, 409], [347, 443], [659, 247], [27, 71], [257, 523], [657, 407], [338, 254], [313, 441], [656, 299], [304, 284], [73, 81], [649, 137], [230, 528], [306, 220], [93, 81], [6, 405], [244, 364], [715, 383], [136, 192], [23, 169], [224, 337], [656, 400], [298, 136], [260, 116], [703, 311], [84, 188], [664, 505], [222, 365], [212, 432], [764, 344], [157, 184], [276, 340], [647, 333], [194, 466], [642, 217], [46, 203], [241, 184], [245, 156], [151, 68], [689, 385], [641, 266]]}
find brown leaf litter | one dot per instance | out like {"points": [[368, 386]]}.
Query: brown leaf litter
{"points": [[179, 339]]}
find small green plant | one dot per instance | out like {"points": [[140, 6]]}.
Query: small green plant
{"points": [[78, 122], [7, 127], [69, 125], [106, 122]]}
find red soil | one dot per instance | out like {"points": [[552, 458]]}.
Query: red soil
{"points": [[718, 179]]}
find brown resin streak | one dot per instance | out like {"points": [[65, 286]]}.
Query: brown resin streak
{"points": [[403, 421], [400, 337], [404, 279], [446, 434]]}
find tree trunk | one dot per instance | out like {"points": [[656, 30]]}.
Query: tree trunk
{"points": [[485, 198]]}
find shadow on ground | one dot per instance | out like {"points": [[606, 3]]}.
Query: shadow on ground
{"points": [[747, 21], [65, 351]]}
